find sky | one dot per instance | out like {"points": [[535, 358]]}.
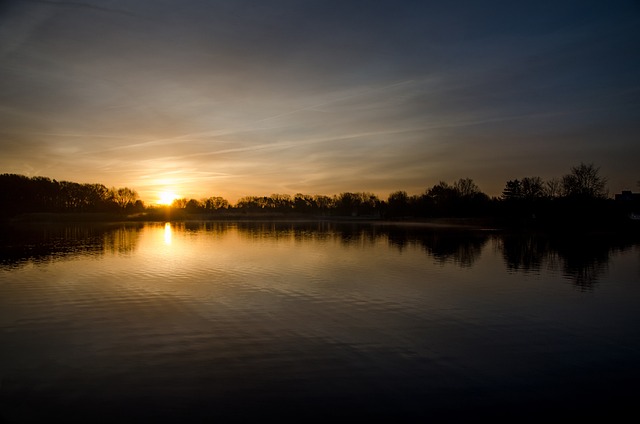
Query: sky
{"points": [[252, 97]]}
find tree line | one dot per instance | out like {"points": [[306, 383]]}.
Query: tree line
{"points": [[582, 191], [21, 194]]}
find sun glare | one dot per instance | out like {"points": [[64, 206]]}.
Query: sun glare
{"points": [[167, 197]]}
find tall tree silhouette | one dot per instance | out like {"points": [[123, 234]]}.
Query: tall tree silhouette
{"points": [[584, 181], [124, 197], [532, 188], [466, 187], [512, 190], [553, 188], [398, 204]]}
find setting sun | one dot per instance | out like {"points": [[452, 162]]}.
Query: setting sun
{"points": [[167, 197]]}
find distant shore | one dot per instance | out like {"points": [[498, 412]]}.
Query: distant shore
{"points": [[180, 216], [462, 223]]}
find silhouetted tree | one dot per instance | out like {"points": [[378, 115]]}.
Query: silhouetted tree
{"points": [[398, 204], [124, 196], [527, 188], [303, 203], [466, 187], [45, 194], [348, 203], [179, 203], [138, 206], [463, 198], [19, 194], [525, 201], [439, 199], [584, 182], [71, 194], [280, 202], [193, 206], [471, 201], [323, 203], [532, 188], [355, 204], [251, 203], [553, 188], [512, 190], [215, 203]]}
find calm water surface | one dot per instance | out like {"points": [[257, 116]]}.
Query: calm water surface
{"points": [[305, 321]]}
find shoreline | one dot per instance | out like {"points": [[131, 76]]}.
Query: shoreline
{"points": [[490, 224]]}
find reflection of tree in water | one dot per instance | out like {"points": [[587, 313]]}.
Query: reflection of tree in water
{"points": [[44, 242], [278, 230], [213, 227], [284, 230], [462, 248], [583, 260], [347, 234], [585, 275], [524, 252], [444, 245], [121, 240], [355, 234]]}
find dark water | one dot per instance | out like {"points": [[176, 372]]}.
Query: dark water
{"points": [[315, 322]]}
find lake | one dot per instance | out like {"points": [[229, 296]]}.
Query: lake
{"points": [[315, 321]]}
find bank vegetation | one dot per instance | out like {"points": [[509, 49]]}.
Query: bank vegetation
{"points": [[579, 198]]}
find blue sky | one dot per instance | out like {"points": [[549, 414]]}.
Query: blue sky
{"points": [[234, 98]]}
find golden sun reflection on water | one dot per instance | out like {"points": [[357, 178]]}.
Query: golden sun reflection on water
{"points": [[167, 234]]}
